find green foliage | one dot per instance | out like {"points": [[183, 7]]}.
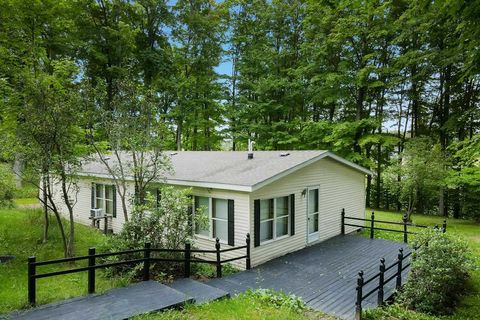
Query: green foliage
{"points": [[21, 235], [465, 176], [246, 306], [278, 299], [439, 274], [208, 271], [417, 175], [7, 185], [167, 224], [396, 312]]}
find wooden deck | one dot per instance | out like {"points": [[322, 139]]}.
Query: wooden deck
{"points": [[116, 304], [324, 275]]}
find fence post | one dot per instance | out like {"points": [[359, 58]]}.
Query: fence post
{"points": [[358, 303], [91, 270], [381, 282], [219, 262], [343, 221], [399, 269], [444, 226], [405, 231], [247, 260], [31, 281], [146, 261], [187, 259], [372, 225]]}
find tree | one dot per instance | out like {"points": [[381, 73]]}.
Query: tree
{"points": [[422, 172], [51, 140]]}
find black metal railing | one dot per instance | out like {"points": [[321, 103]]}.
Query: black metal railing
{"points": [[187, 258], [400, 265], [370, 224]]}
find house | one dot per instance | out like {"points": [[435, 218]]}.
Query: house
{"points": [[286, 200]]}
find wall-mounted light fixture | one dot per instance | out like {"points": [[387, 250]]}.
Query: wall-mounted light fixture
{"points": [[304, 192]]}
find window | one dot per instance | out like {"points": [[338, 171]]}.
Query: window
{"points": [[152, 197], [216, 212], [220, 218], [105, 198], [274, 218], [313, 211], [202, 206]]}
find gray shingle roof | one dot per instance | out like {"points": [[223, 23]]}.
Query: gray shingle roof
{"points": [[226, 168]]}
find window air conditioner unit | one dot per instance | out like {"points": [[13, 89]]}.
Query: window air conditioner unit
{"points": [[96, 213]]}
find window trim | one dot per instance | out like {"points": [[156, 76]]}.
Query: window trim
{"points": [[274, 219], [210, 218], [103, 198]]}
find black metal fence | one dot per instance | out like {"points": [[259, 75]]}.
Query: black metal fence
{"points": [[399, 266], [370, 224], [188, 258]]}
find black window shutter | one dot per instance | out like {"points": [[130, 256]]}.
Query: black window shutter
{"points": [[93, 205], [190, 214], [114, 213], [231, 223], [159, 196], [256, 223], [292, 214]]}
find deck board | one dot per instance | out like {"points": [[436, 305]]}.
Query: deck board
{"points": [[324, 275], [120, 303]]}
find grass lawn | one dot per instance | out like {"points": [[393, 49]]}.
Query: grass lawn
{"points": [[26, 201], [242, 307], [20, 232], [470, 305]]}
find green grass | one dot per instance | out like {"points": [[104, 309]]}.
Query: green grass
{"points": [[25, 201], [27, 191], [470, 305], [242, 307], [20, 234]]}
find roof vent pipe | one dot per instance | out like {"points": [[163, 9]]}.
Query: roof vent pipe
{"points": [[250, 149]]}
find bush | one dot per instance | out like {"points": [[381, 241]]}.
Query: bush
{"points": [[7, 185], [167, 224], [395, 312], [278, 299], [439, 274]]}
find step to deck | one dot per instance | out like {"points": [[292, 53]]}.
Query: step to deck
{"points": [[120, 303], [199, 291]]}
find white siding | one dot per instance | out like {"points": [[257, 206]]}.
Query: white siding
{"points": [[340, 187], [241, 224], [82, 206]]}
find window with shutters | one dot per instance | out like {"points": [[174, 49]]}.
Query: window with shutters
{"points": [[216, 211], [274, 218], [104, 198]]}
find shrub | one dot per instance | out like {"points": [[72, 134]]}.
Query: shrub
{"points": [[439, 274], [7, 185], [167, 224], [395, 312], [278, 299]]}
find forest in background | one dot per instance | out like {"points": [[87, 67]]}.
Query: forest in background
{"points": [[391, 85]]}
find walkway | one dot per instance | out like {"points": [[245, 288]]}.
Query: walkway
{"points": [[126, 302], [323, 275]]}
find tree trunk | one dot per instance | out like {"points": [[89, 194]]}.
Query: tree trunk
{"points": [[45, 210]]}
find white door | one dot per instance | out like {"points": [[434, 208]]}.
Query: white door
{"points": [[312, 214]]}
